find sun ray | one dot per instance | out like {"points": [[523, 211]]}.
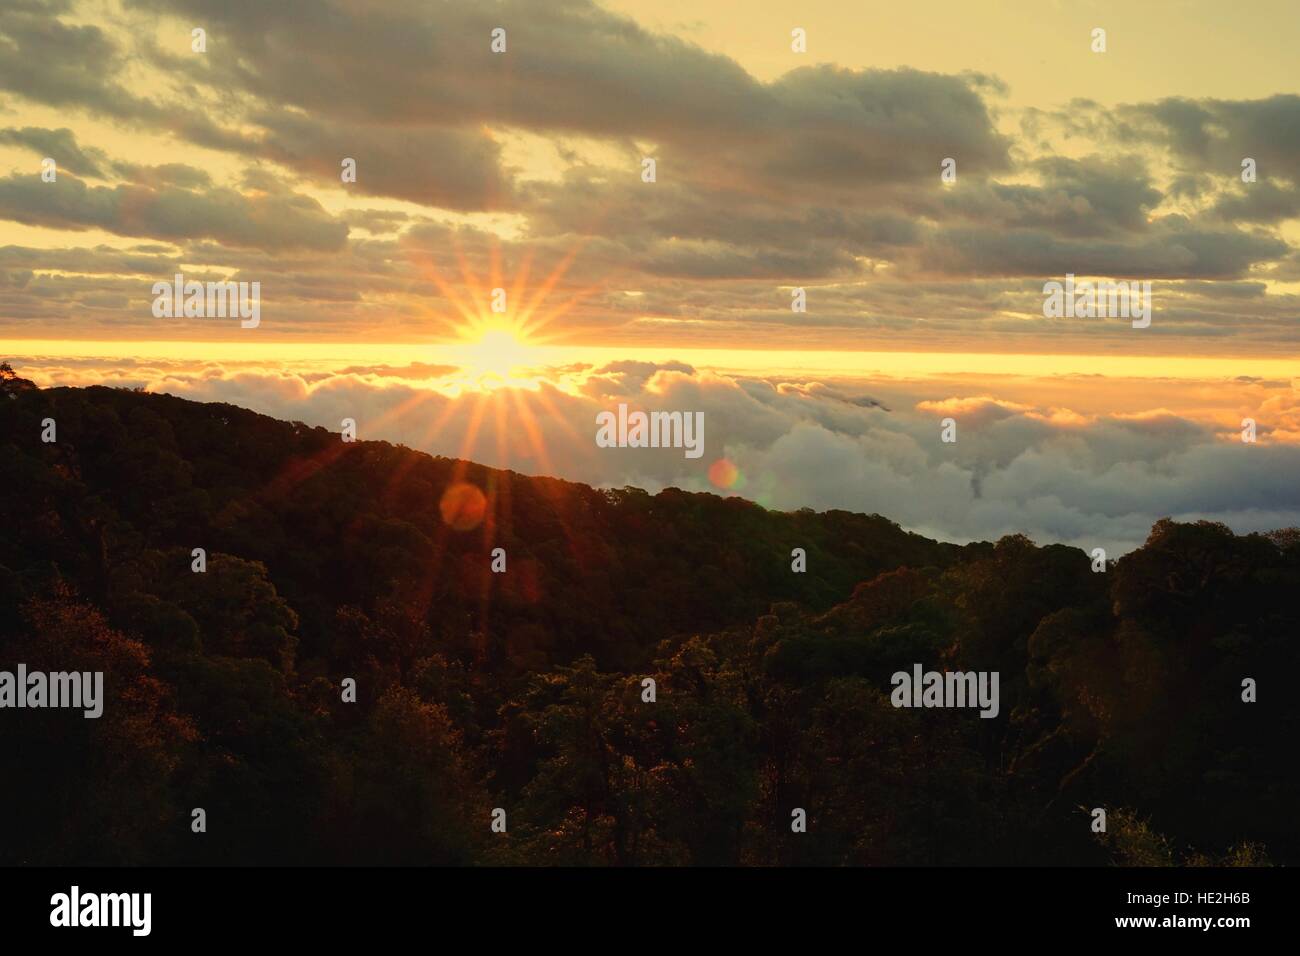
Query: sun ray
{"points": [[556, 415], [532, 433]]}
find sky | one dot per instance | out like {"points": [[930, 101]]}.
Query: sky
{"points": [[799, 153]]}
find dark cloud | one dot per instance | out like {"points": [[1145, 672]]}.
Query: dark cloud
{"points": [[1174, 248], [46, 60], [100, 260], [409, 81], [448, 168], [170, 174], [1094, 196], [169, 212], [59, 145], [1259, 202], [571, 66], [1215, 135]]}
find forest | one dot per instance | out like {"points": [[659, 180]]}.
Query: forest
{"points": [[325, 561]]}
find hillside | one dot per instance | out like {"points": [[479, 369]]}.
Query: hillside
{"points": [[522, 690]]}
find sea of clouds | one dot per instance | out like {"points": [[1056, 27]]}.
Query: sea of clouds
{"points": [[1085, 478]]}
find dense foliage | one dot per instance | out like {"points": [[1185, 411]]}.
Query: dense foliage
{"points": [[328, 560]]}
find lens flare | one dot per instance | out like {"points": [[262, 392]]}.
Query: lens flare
{"points": [[724, 474], [462, 506]]}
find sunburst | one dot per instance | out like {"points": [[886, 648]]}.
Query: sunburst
{"points": [[500, 347], [498, 326], [493, 355]]}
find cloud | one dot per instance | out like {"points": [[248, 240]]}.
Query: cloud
{"points": [[1058, 474], [59, 145], [1259, 202], [525, 168], [268, 221], [413, 371], [447, 168], [1212, 135], [49, 61], [1175, 248]]}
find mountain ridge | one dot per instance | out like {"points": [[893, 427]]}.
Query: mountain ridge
{"points": [[327, 562]]}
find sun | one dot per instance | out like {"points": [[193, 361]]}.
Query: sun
{"points": [[509, 346], [492, 356]]}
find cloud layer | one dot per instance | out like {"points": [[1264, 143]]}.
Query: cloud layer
{"points": [[524, 168], [1092, 479]]}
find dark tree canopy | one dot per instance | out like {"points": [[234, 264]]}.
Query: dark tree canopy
{"points": [[327, 561]]}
